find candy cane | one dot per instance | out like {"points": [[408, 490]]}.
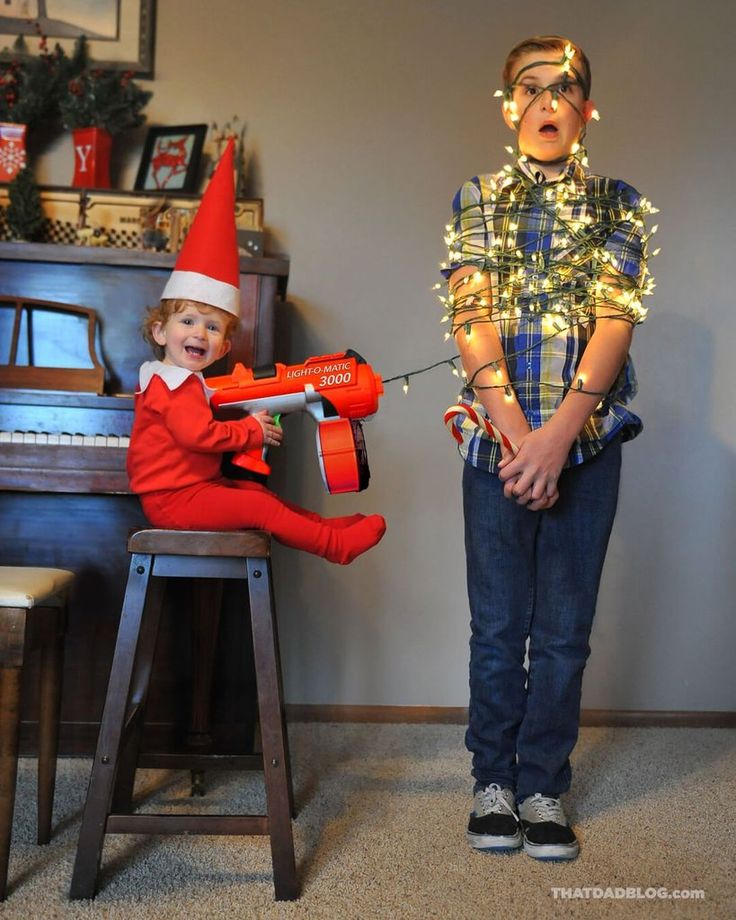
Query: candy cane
{"points": [[480, 422]]}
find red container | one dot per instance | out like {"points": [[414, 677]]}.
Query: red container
{"points": [[12, 150], [92, 148]]}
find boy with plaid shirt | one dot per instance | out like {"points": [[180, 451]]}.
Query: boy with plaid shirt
{"points": [[546, 272]]}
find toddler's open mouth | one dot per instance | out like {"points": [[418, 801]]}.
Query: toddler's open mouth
{"points": [[549, 130], [196, 352]]}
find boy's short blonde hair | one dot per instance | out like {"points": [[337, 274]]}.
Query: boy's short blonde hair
{"points": [[167, 308], [546, 44]]}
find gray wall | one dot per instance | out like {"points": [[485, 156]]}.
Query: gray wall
{"points": [[363, 119]]}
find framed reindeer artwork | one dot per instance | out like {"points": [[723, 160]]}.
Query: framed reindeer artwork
{"points": [[170, 159]]}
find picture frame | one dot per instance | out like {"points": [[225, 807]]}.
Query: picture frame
{"points": [[170, 159], [120, 33]]}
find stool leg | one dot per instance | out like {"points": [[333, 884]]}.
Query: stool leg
{"points": [[206, 607], [12, 641], [270, 708], [122, 799], [52, 652], [284, 728], [104, 768]]}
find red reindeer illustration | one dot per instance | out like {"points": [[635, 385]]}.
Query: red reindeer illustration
{"points": [[170, 158]]}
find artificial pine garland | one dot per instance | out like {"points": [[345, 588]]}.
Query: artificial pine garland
{"points": [[29, 85], [95, 98]]}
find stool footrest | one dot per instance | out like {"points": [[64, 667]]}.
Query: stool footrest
{"points": [[189, 761], [188, 824]]}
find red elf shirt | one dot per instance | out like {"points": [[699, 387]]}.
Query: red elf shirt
{"points": [[175, 441]]}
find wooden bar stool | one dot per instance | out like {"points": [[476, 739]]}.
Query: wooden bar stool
{"points": [[156, 556], [32, 616]]}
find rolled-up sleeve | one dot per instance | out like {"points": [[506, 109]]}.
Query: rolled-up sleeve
{"points": [[467, 235], [624, 244]]}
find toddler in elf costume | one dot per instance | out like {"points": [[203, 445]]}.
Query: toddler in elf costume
{"points": [[176, 445]]}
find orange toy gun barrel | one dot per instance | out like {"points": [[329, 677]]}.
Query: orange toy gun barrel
{"points": [[338, 391]]}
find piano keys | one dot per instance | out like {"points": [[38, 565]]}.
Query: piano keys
{"points": [[64, 442]]}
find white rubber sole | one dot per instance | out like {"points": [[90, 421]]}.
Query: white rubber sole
{"points": [[552, 851], [495, 843]]}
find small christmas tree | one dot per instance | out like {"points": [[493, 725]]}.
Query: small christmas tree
{"points": [[24, 214]]}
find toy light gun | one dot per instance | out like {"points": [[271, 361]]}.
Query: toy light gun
{"points": [[338, 391]]}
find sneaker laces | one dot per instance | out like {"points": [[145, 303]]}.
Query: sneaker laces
{"points": [[493, 802], [547, 808]]}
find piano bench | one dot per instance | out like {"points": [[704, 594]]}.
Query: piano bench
{"points": [[32, 616], [155, 556]]}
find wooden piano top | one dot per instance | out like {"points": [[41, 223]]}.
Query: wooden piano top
{"points": [[108, 255]]}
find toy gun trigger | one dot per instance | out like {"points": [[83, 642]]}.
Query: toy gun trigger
{"points": [[254, 459]]}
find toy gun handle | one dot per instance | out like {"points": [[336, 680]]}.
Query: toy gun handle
{"points": [[255, 458]]}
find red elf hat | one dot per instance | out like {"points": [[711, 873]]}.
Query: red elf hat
{"points": [[208, 267]]}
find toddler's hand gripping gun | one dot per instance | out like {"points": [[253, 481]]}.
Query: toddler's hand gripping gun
{"points": [[338, 391]]}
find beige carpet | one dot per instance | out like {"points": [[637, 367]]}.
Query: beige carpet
{"points": [[380, 834]]}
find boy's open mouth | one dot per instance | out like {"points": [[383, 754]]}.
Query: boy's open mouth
{"points": [[549, 130], [197, 352]]}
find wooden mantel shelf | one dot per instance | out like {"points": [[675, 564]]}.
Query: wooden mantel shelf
{"points": [[138, 258]]}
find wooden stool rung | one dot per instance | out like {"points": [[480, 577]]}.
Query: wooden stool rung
{"points": [[187, 761], [212, 825], [170, 566]]}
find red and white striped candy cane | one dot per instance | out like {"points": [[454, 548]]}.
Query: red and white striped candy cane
{"points": [[478, 420]]}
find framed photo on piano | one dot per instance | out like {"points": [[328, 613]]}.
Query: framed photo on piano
{"points": [[170, 159]]}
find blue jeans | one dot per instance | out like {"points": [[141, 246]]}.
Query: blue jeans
{"points": [[533, 575]]}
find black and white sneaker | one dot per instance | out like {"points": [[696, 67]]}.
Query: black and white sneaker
{"points": [[494, 824], [547, 834]]}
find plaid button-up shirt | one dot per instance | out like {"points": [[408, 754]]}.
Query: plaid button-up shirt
{"points": [[516, 221]]}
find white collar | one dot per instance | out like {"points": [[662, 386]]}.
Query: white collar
{"points": [[171, 375]]}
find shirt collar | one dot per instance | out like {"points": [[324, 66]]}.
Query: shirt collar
{"points": [[572, 169], [171, 375]]}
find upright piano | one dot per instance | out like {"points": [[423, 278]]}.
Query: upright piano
{"points": [[64, 496]]}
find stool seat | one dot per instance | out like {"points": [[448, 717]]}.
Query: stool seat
{"points": [[157, 555], [28, 587], [237, 543], [32, 617]]}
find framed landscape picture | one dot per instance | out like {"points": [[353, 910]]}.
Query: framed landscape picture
{"points": [[170, 159], [120, 33]]}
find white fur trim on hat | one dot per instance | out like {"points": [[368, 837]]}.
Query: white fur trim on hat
{"points": [[196, 286]]}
